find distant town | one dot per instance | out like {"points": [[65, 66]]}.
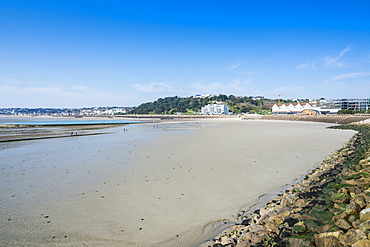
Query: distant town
{"points": [[210, 105]]}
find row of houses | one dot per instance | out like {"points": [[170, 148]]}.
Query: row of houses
{"points": [[293, 108], [104, 111], [322, 106]]}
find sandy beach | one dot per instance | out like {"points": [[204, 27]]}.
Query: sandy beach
{"points": [[165, 184]]}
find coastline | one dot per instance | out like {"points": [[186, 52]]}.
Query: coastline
{"points": [[179, 193], [328, 207]]}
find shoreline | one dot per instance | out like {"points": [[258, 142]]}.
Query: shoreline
{"points": [[291, 218], [162, 178]]}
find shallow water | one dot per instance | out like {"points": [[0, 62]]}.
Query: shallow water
{"points": [[61, 121]]}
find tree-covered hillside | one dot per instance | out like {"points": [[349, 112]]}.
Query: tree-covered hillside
{"points": [[189, 105]]}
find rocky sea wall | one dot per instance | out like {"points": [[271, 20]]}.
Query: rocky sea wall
{"points": [[329, 207]]}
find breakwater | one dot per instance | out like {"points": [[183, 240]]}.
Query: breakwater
{"points": [[330, 207]]}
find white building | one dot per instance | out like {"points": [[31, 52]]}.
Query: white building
{"points": [[293, 108], [215, 109]]}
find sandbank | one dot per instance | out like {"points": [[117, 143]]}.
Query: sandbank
{"points": [[165, 184]]}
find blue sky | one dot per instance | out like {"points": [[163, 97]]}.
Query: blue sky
{"points": [[70, 53]]}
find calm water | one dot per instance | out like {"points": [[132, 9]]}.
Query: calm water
{"points": [[60, 121]]}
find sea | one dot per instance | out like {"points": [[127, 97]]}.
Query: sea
{"points": [[61, 121]]}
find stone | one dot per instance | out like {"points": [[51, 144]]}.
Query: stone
{"points": [[352, 182], [279, 218], [226, 240], [300, 203], [257, 238], [311, 225], [364, 225], [340, 216], [256, 228], [352, 218], [364, 182], [285, 202], [326, 241], [365, 214], [353, 209], [322, 215], [272, 227], [340, 197], [360, 200], [362, 243], [356, 224], [351, 237], [343, 224], [298, 228], [243, 243], [297, 242], [324, 228]]}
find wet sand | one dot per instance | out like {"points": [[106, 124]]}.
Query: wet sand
{"points": [[171, 184]]}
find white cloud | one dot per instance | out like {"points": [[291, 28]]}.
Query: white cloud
{"points": [[81, 89], [254, 73], [234, 66], [348, 76], [335, 62], [154, 87], [303, 66]]}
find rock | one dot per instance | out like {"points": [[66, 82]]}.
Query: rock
{"points": [[352, 182], [340, 197], [360, 200], [351, 237], [311, 225], [343, 224], [356, 224], [340, 216], [322, 215], [364, 182], [339, 206], [364, 225], [322, 240], [362, 243], [297, 242], [353, 209], [365, 214], [227, 240], [257, 238], [298, 228], [272, 227], [324, 228], [352, 218], [285, 202], [279, 218], [300, 203], [243, 243], [263, 212], [256, 228]]}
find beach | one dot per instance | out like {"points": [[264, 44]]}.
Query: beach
{"points": [[165, 184]]}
